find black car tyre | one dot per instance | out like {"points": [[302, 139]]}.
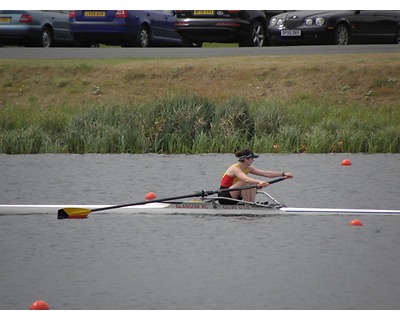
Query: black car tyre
{"points": [[341, 35], [186, 42], [86, 44], [144, 37], [46, 38], [256, 37], [397, 40]]}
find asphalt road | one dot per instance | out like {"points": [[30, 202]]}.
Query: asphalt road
{"points": [[107, 53]]}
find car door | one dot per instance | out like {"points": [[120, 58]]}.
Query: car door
{"points": [[376, 26], [370, 25], [384, 25], [59, 20], [163, 26], [357, 22], [169, 24]]}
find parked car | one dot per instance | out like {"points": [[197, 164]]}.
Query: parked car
{"points": [[127, 28], [40, 28], [245, 27], [335, 27]]}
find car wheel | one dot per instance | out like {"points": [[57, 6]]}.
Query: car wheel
{"points": [[86, 44], [397, 40], [144, 37], [186, 42], [46, 38], [256, 37], [341, 35]]}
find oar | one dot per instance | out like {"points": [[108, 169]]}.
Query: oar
{"points": [[81, 213]]}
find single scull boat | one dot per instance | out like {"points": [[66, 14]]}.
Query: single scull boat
{"points": [[202, 206]]}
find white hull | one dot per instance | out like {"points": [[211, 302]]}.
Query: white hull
{"points": [[194, 208], [188, 208], [339, 211]]}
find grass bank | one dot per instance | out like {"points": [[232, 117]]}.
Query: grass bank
{"points": [[335, 103]]}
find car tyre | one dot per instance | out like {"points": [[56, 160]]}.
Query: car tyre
{"points": [[46, 38], [256, 37], [341, 35], [186, 42], [397, 40], [86, 44], [144, 37]]}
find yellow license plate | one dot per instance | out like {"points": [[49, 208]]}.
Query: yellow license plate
{"points": [[95, 14], [203, 11], [5, 20]]}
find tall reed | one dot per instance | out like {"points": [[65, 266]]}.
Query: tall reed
{"points": [[194, 124]]}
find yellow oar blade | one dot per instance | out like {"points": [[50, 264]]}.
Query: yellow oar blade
{"points": [[73, 213]]}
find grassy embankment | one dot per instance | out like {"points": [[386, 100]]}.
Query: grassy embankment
{"points": [[334, 103]]}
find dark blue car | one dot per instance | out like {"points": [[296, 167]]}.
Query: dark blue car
{"points": [[127, 28]]}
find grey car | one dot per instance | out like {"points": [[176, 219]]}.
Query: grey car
{"points": [[35, 28]]}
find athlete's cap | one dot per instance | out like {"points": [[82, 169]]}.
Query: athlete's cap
{"points": [[247, 154]]}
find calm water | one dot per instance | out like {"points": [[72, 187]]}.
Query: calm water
{"points": [[184, 262]]}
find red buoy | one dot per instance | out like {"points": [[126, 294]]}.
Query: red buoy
{"points": [[356, 223], [39, 305], [150, 196], [346, 162]]}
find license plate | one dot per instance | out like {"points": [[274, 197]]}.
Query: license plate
{"points": [[290, 33], [95, 13], [5, 20], [200, 12]]}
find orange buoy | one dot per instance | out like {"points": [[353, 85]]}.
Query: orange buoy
{"points": [[150, 196], [346, 162], [356, 223], [39, 305]]}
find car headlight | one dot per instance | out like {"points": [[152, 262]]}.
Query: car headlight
{"points": [[279, 22], [319, 21], [272, 22], [309, 22]]}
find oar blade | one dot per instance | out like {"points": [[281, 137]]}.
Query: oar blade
{"points": [[73, 213]]}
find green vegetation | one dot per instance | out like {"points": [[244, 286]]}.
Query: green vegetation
{"points": [[194, 124], [291, 104]]}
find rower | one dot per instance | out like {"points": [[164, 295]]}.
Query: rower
{"points": [[236, 176]]}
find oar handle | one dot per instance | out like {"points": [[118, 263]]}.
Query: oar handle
{"points": [[277, 180]]}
